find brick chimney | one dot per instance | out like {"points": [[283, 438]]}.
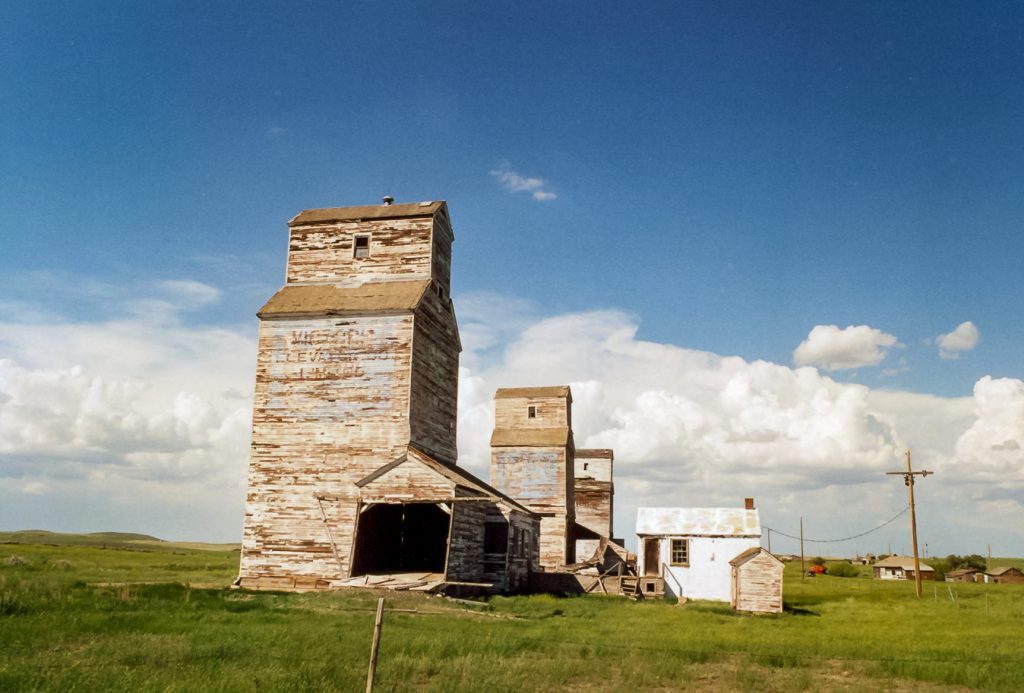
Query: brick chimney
{"points": [[748, 503]]}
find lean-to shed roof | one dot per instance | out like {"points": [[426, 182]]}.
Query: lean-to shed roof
{"points": [[695, 522], [456, 475]]}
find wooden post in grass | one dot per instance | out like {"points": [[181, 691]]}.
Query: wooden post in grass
{"points": [[375, 646], [908, 479]]}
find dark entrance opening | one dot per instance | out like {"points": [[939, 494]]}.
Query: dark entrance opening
{"points": [[401, 538]]}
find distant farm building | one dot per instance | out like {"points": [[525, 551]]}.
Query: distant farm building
{"points": [[1003, 575], [963, 575], [900, 568], [757, 581], [353, 465], [686, 552]]}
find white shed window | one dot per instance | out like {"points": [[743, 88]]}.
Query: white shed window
{"points": [[531, 412], [680, 552]]}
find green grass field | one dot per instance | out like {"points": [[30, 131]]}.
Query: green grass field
{"points": [[134, 613]]}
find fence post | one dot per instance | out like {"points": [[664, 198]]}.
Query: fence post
{"points": [[375, 646]]}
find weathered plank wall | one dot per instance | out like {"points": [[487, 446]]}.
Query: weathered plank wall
{"points": [[466, 542], [330, 407], [434, 391], [593, 491], [757, 585], [399, 249], [552, 408]]}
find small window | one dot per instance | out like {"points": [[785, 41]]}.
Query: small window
{"points": [[680, 552], [585, 465], [531, 412], [361, 247], [495, 537]]}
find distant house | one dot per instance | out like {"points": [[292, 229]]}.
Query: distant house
{"points": [[690, 549], [757, 581], [963, 575], [1003, 575], [901, 568]]}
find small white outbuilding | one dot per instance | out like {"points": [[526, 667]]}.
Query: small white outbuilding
{"points": [[757, 581], [690, 548]]}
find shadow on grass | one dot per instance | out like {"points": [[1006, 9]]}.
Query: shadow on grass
{"points": [[798, 611]]}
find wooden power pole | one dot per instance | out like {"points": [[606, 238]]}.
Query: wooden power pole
{"points": [[908, 479]]}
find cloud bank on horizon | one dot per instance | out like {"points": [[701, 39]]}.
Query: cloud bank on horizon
{"points": [[141, 421]]}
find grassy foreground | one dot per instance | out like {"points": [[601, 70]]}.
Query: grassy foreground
{"points": [[160, 617]]}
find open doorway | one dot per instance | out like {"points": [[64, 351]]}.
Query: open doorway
{"points": [[401, 538], [652, 556]]}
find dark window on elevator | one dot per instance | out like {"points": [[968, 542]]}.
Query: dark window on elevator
{"points": [[361, 247], [531, 412]]}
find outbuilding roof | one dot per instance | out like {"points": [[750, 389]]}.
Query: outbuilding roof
{"points": [[708, 522], [751, 553]]}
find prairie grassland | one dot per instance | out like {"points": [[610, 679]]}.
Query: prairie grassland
{"points": [[85, 618]]}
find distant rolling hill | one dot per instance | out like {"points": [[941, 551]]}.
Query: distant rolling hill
{"points": [[113, 540]]}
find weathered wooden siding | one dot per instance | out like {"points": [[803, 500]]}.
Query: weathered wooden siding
{"points": [[594, 497], [537, 478], [510, 570], [757, 585], [409, 482], [400, 249], [466, 543], [549, 412], [442, 239], [330, 407], [534, 476], [434, 394]]}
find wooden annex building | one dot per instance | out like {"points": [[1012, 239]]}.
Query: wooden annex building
{"points": [[353, 463], [535, 461]]}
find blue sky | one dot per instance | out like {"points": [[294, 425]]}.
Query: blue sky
{"points": [[713, 179]]}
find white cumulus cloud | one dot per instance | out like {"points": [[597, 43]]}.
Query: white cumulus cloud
{"points": [[514, 182], [693, 428], [964, 338], [836, 349]]}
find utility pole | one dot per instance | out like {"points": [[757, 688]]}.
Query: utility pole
{"points": [[803, 566], [908, 479]]}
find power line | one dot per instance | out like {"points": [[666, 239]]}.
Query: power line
{"points": [[855, 536]]}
